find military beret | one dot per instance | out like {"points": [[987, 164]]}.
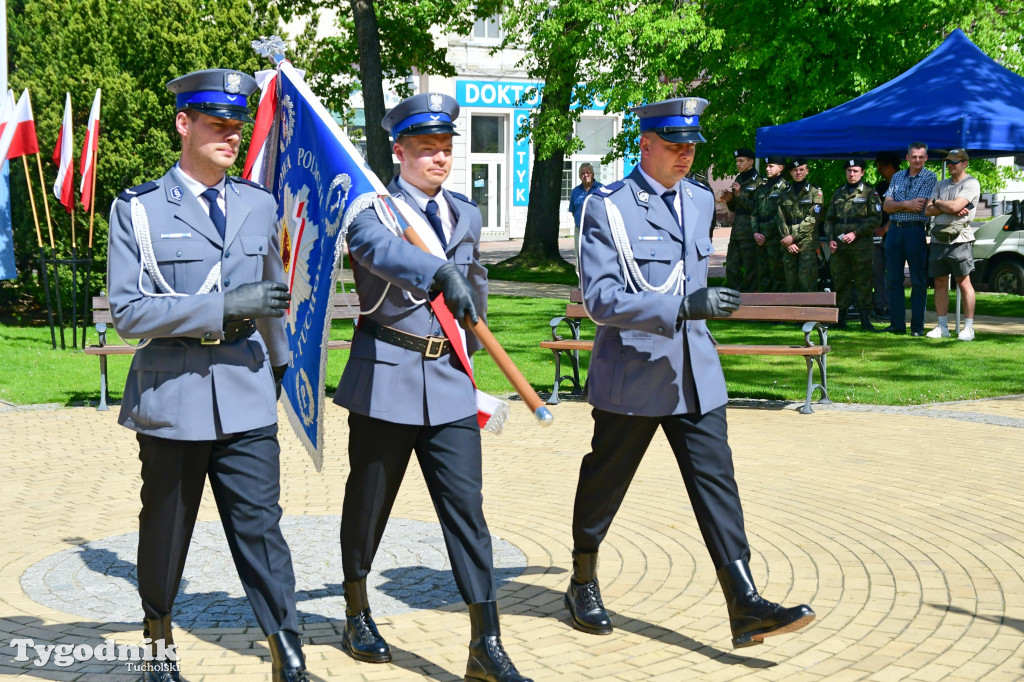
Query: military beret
{"points": [[781, 160], [851, 163], [428, 113], [745, 152], [796, 163], [674, 120], [217, 92]]}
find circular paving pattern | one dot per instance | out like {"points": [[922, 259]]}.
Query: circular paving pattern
{"points": [[97, 580]]}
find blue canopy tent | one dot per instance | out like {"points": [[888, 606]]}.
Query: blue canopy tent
{"points": [[957, 96]]}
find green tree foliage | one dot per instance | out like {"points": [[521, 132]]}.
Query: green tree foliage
{"points": [[129, 49]]}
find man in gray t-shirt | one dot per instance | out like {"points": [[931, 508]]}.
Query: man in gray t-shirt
{"points": [[950, 252]]}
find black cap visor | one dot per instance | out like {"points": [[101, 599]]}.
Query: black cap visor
{"points": [[222, 111], [676, 135], [429, 128]]}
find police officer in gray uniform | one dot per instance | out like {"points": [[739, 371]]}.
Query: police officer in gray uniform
{"points": [[405, 388], [644, 253], [195, 270]]}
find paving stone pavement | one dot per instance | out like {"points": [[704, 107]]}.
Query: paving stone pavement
{"points": [[903, 528]]}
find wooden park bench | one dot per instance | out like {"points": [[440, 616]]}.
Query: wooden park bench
{"points": [[346, 307], [816, 310]]}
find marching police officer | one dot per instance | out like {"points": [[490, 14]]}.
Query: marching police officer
{"points": [[406, 390], [766, 225], [195, 268], [741, 264], [854, 212], [800, 206], [644, 253]]}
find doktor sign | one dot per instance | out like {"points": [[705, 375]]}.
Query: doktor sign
{"points": [[506, 95]]}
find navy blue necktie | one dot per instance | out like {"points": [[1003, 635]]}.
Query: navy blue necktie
{"points": [[216, 215], [435, 222], [669, 198]]}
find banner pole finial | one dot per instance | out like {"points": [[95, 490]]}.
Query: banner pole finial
{"points": [[271, 47]]}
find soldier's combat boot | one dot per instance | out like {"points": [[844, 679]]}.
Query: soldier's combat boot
{"points": [[752, 617], [288, 661], [583, 598], [865, 321], [841, 324], [487, 658], [361, 639], [164, 666]]}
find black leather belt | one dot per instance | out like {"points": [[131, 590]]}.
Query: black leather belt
{"points": [[233, 331], [908, 223], [428, 346]]}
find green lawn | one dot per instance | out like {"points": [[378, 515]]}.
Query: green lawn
{"points": [[863, 367]]}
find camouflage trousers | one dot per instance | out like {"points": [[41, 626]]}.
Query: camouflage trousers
{"points": [[741, 272], [770, 265], [801, 270], [851, 273]]}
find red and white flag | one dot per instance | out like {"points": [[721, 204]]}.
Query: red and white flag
{"points": [[63, 156], [19, 130], [267, 81], [90, 147]]}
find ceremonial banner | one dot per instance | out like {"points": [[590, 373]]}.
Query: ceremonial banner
{"points": [[320, 182]]}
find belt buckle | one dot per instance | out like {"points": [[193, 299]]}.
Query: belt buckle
{"points": [[432, 343], [209, 342]]}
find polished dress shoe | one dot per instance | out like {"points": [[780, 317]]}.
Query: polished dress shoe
{"points": [[752, 617], [487, 658], [361, 639], [289, 665], [159, 669], [583, 598]]}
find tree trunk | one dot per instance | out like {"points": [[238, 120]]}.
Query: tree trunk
{"points": [[540, 243], [378, 145]]}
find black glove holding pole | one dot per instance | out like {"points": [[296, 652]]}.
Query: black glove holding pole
{"points": [[458, 293], [256, 299], [708, 302], [278, 378]]}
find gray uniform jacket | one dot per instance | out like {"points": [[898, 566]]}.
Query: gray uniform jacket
{"points": [[388, 382], [178, 388], [641, 364]]}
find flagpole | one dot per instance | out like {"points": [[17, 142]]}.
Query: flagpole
{"points": [[53, 251], [42, 254], [74, 265], [92, 215]]}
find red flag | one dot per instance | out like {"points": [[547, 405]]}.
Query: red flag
{"points": [[90, 147], [253, 169], [19, 132], [63, 156]]}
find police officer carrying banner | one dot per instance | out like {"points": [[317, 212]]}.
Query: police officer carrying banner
{"points": [[801, 207], [195, 269], [854, 212], [406, 390], [766, 225], [644, 253]]}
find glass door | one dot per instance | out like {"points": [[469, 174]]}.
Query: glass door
{"points": [[486, 192], [487, 163]]}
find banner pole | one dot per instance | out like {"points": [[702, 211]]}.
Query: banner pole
{"points": [[42, 253]]}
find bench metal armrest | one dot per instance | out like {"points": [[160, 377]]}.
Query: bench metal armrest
{"points": [[574, 328], [822, 334], [101, 332]]}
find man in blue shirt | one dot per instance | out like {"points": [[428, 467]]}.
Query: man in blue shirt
{"points": [[579, 195]]}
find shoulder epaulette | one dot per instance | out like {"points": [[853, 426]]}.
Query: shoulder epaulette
{"points": [[463, 197], [250, 183], [137, 190], [700, 184], [612, 187]]}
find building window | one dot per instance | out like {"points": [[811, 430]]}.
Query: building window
{"points": [[1018, 161], [488, 29], [596, 134], [568, 180], [487, 134]]}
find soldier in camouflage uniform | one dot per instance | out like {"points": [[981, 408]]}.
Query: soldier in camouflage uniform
{"points": [[852, 216], [766, 225], [800, 208], [741, 262]]}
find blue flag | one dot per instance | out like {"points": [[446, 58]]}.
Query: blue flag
{"points": [[7, 269], [321, 182]]}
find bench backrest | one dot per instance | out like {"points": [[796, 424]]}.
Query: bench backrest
{"points": [[346, 307], [812, 306]]}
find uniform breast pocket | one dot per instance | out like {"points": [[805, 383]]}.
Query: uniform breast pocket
{"points": [[656, 259], [178, 263], [254, 250]]}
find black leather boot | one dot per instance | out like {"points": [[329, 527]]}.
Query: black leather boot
{"points": [[865, 321], [583, 598], [361, 639], [487, 658], [752, 617], [160, 669], [286, 653]]}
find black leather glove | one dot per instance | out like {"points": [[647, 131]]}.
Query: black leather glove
{"points": [[458, 294], [256, 299], [278, 378], [708, 302]]}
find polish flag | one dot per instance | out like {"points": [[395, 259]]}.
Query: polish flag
{"points": [[63, 157], [19, 129], [267, 81], [90, 147]]}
